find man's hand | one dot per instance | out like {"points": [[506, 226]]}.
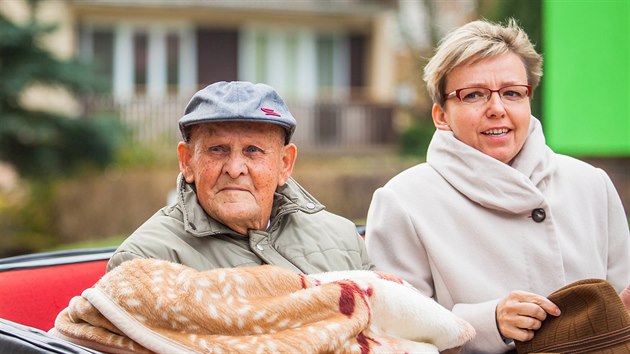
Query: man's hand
{"points": [[521, 313]]}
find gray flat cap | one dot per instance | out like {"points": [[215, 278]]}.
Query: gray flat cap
{"points": [[237, 101]]}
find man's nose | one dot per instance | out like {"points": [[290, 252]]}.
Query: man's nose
{"points": [[235, 165]]}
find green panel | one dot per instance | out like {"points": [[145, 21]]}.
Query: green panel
{"points": [[587, 76]]}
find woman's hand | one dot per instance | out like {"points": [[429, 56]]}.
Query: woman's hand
{"points": [[521, 313], [625, 297]]}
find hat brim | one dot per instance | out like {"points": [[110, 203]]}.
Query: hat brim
{"points": [[185, 126]]}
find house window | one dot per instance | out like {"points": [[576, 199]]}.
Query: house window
{"points": [[217, 57], [291, 72], [300, 64], [261, 54], [96, 45], [358, 65], [103, 54], [121, 53], [325, 64], [172, 62], [140, 62]]}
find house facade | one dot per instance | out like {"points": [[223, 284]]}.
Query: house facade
{"points": [[332, 61], [341, 65], [306, 49]]}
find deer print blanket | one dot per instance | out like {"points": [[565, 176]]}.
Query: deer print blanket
{"points": [[149, 305]]}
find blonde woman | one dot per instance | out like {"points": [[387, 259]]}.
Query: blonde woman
{"points": [[495, 220]]}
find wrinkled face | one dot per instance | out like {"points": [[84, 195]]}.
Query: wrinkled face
{"points": [[236, 168], [498, 128]]}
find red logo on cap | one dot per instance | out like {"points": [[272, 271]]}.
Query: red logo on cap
{"points": [[270, 112]]}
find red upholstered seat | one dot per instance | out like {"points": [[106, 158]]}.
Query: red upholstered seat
{"points": [[33, 290]]}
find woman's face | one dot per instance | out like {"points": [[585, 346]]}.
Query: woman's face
{"points": [[497, 127]]}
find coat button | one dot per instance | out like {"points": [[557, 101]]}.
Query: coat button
{"points": [[259, 246], [539, 215], [310, 205]]}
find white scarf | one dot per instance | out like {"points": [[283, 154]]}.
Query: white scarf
{"points": [[490, 182]]}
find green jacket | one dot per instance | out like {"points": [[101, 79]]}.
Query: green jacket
{"points": [[302, 237]]}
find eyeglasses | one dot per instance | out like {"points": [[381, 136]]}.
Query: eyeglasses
{"points": [[480, 95]]}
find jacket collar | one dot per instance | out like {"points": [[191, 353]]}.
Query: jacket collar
{"points": [[289, 198], [512, 188]]}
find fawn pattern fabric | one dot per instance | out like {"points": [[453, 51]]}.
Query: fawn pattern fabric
{"points": [[149, 305]]}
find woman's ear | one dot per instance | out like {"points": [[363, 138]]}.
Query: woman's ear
{"points": [[184, 156], [289, 155], [439, 117]]}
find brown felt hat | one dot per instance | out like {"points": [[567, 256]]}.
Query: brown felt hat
{"points": [[593, 320]]}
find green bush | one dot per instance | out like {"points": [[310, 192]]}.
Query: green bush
{"points": [[26, 223], [415, 139]]}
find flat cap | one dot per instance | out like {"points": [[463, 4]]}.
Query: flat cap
{"points": [[237, 101]]}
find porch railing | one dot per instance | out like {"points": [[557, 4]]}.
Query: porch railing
{"points": [[335, 125]]}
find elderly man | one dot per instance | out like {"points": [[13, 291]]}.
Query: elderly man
{"points": [[237, 204]]}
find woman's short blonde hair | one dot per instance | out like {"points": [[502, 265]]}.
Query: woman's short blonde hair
{"points": [[478, 40]]}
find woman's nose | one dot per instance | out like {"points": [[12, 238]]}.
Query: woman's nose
{"points": [[496, 107]]}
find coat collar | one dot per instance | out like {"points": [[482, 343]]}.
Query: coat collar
{"points": [[289, 198], [512, 188]]}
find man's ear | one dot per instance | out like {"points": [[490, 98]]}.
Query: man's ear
{"points": [[184, 155], [289, 154], [439, 117]]}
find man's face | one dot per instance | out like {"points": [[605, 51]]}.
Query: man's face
{"points": [[236, 168]]}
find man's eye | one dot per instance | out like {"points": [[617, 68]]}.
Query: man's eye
{"points": [[217, 149], [252, 149]]}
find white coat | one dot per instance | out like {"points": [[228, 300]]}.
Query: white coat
{"points": [[460, 228]]}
